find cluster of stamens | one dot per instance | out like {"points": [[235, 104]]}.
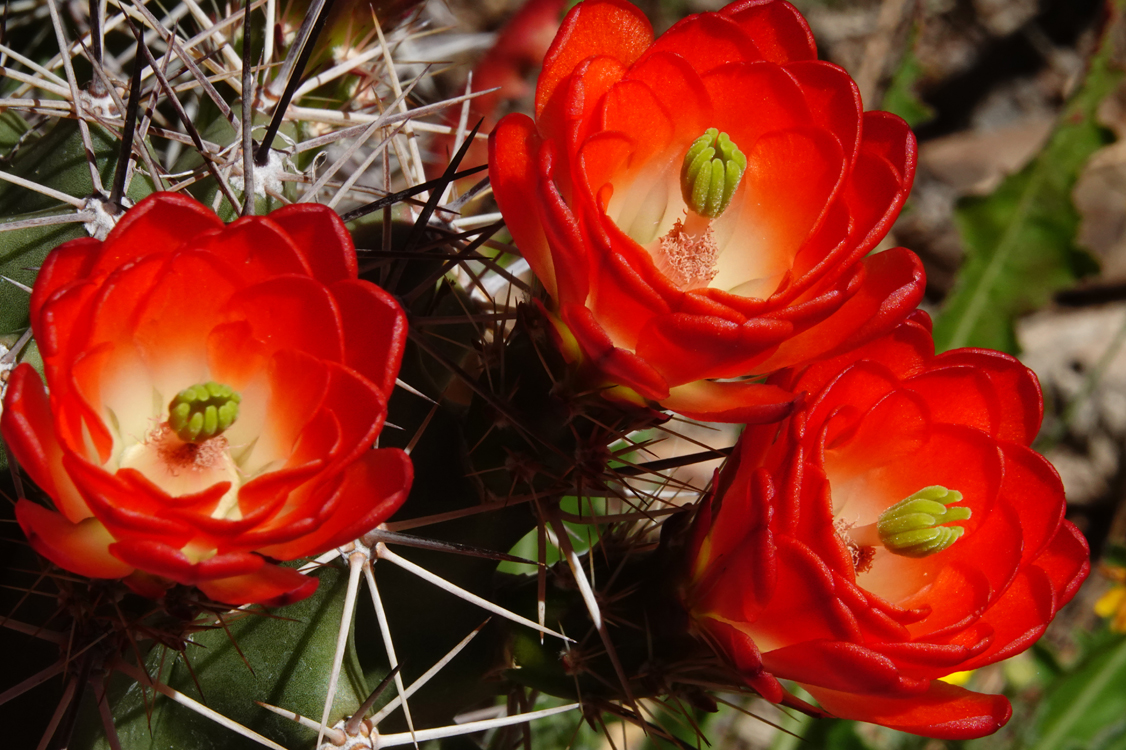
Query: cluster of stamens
{"points": [[690, 261], [180, 455], [862, 554], [710, 174]]}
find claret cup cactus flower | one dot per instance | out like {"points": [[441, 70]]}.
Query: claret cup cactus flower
{"points": [[699, 206], [213, 393], [895, 529]]}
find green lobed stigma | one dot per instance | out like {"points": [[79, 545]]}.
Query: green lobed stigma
{"points": [[203, 411], [707, 181], [912, 527]]}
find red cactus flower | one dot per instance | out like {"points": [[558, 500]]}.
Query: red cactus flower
{"points": [[699, 207], [895, 529], [214, 395]]}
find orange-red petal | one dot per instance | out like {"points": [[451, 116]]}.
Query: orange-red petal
{"points": [[81, 547], [945, 711]]}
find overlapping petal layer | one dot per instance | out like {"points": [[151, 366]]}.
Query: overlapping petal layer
{"points": [[269, 306], [658, 298], [786, 554]]}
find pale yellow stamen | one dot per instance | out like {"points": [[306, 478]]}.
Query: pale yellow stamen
{"points": [[183, 468], [689, 260], [861, 554]]}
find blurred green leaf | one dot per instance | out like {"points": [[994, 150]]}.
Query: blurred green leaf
{"points": [[901, 97], [1115, 554], [1020, 241], [1086, 708], [835, 734]]}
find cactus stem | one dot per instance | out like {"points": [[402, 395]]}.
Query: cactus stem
{"points": [[124, 158], [393, 537], [248, 86], [182, 54], [262, 156], [388, 643], [76, 97], [185, 120], [422, 735], [43, 190], [415, 523], [448, 176], [541, 573], [421, 681], [98, 683], [385, 554], [80, 217], [302, 40], [97, 31], [353, 724], [357, 559], [592, 607], [347, 155], [335, 735], [397, 87], [18, 285], [103, 214], [145, 681], [357, 725], [402, 195]]}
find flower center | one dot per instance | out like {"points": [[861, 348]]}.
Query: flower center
{"points": [[712, 170], [185, 468], [913, 527], [710, 174], [203, 411], [187, 454]]}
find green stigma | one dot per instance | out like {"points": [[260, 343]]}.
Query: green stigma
{"points": [[912, 527], [708, 181], [203, 411]]}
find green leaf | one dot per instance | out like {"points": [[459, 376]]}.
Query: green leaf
{"points": [[1085, 709], [1020, 241], [901, 97]]}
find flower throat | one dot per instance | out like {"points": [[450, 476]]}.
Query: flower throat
{"points": [[711, 172]]}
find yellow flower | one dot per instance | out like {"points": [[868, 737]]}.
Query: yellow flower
{"points": [[1112, 604]]}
